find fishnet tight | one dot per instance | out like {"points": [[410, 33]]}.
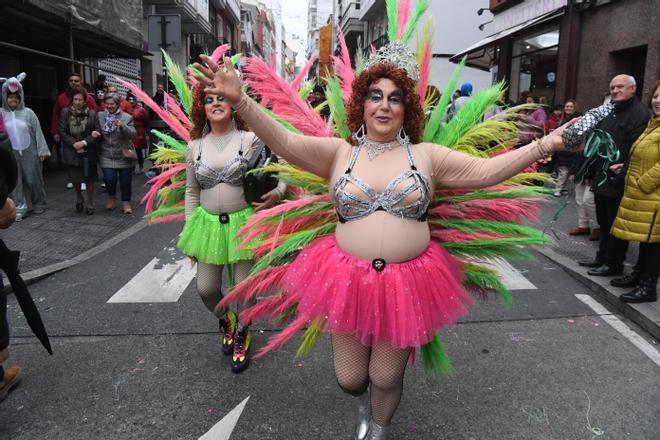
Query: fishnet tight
{"points": [[209, 283], [381, 366]]}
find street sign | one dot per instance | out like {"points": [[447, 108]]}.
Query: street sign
{"points": [[164, 32]]}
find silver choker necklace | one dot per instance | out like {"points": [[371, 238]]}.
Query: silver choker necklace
{"points": [[376, 148]]}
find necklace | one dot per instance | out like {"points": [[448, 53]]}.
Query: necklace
{"points": [[375, 148], [221, 141]]}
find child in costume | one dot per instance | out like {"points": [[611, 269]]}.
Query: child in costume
{"points": [[381, 279], [215, 207]]}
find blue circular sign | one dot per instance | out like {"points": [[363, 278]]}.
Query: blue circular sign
{"points": [[551, 76]]}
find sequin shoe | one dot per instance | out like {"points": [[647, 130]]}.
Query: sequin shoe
{"points": [[227, 330], [240, 358]]}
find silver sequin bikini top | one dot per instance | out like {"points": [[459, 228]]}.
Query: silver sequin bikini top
{"points": [[231, 173], [351, 207]]}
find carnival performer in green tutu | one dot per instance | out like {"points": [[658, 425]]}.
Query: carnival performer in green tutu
{"points": [[216, 208]]}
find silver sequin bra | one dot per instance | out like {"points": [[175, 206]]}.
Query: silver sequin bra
{"points": [[231, 173], [351, 207]]}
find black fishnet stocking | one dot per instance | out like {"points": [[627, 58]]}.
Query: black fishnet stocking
{"points": [[382, 366]]}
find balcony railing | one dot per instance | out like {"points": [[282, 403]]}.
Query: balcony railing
{"points": [[350, 13]]}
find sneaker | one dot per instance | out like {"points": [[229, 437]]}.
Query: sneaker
{"points": [[227, 329], [239, 358], [38, 210], [83, 187], [150, 174], [69, 185], [11, 378], [19, 217], [557, 193], [103, 185]]}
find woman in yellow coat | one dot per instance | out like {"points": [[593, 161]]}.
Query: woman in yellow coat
{"points": [[638, 218]]}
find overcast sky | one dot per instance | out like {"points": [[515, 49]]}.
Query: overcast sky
{"points": [[294, 16]]}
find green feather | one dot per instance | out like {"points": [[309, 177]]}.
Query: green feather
{"points": [[170, 141], [508, 248], [486, 278], [469, 115], [282, 253], [436, 120], [513, 193], [434, 357], [312, 334], [336, 103], [360, 59], [291, 175], [420, 8], [179, 81], [306, 89], [392, 7], [497, 227]]}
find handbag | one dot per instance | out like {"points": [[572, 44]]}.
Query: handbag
{"points": [[128, 152], [258, 183]]}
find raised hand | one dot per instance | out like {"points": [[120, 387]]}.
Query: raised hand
{"points": [[555, 140], [217, 81]]}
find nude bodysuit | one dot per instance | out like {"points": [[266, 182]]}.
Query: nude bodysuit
{"points": [[382, 234]]}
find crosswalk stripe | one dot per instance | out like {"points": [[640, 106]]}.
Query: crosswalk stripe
{"points": [[510, 276], [163, 279], [223, 429]]}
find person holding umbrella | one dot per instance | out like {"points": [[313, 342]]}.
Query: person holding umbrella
{"points": [[11, 376]]}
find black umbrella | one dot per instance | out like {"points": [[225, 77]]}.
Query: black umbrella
{"points": [[9, 264]]}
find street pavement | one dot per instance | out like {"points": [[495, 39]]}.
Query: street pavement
{"points": [[555, 365]]}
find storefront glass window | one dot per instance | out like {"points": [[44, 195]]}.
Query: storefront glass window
{"points": [[534, 64]]}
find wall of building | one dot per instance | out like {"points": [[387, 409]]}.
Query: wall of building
{"points": [[607, 33]]}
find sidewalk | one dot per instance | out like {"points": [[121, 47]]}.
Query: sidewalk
{"points": [[61, 237], [567, 250]]}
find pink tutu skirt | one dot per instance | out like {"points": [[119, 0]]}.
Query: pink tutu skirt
{"points": [[403, 304]]}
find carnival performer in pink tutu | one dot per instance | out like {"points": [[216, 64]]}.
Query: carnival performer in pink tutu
{"points": [[380, 285]]}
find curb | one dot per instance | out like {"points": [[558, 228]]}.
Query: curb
{"points": [[644, 315], [35, 275]]}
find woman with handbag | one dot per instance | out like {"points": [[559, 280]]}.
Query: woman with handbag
{"points": [[117, 154], [79, 134], [216, 207]]}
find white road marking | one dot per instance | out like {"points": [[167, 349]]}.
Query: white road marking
{"points": [[510, 276], [223, 429], [618, 325], [163, 279]]}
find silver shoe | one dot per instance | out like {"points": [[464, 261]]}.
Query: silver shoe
{"points": [[377, 432], [363, 416]]}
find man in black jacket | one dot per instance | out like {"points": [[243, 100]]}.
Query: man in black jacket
{"points": [[625, 125]]}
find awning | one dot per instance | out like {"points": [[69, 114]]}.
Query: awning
{"points": [[482, 54]]}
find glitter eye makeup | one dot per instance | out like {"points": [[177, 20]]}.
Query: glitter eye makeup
{"points": [[209, 99], [375, 95]]}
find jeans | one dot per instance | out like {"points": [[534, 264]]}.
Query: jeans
{"points": [[125, 176]]}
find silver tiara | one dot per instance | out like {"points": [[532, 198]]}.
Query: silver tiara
{"points": [[397, 54]]}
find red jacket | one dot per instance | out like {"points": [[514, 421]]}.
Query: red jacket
{"points": [[140, 122], [64, 101]]}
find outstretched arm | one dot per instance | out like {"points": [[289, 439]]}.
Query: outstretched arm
{"points": [[310, 153], [452, 169]]}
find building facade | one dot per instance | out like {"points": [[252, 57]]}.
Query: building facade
{"points": [[569, 49]]}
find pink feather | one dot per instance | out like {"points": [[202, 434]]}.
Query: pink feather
{"points": [[174, 108], [168, 218], [219, 51], [261, 310], [158, 182], [190, 78], [510, 210], [405, 7], [170, 120], [343, 68], [297, 81], [249, 288], [283, 99], [283, 337], [424, 73]]}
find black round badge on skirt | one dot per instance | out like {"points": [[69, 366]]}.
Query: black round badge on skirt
{"points": [[378, 264], [224, 218]]}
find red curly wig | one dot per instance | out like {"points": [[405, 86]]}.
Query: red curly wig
{"points": [[198, 114], [413, 121]]}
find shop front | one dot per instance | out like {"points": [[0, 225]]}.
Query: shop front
{"points": [[525, 50]]}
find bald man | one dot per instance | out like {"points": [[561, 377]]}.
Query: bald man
{"points": [[625, 125]]}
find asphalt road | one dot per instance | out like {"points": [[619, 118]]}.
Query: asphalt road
{"points": [[546, 368]]}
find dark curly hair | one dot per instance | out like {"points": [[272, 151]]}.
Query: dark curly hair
{"points": [[198, 114], [413, 121]]}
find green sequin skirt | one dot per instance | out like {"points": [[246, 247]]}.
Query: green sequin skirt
{"points": [[212, 238]]}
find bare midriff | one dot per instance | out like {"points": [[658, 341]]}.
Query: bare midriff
{"points": [[380, 234]]}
